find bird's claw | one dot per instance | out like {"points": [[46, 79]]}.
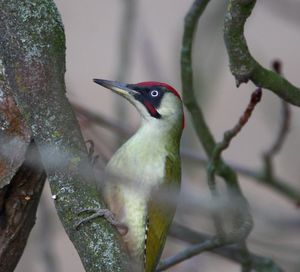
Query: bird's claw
{"points": [[107, 214]]}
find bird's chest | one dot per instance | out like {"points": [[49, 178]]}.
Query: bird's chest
{"points": [[134, 166], [133, 174]]}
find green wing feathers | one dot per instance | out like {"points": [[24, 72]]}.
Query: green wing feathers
{"points": [[160, 213]]}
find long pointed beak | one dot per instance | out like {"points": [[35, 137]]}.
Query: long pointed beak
{"points": [[117, 87]]}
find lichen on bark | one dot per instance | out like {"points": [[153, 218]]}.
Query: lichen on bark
{"points": [[242, 64], [32, 47]]}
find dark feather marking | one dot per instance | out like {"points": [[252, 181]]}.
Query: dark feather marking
{"points": [[145, 245], [161, 84]]}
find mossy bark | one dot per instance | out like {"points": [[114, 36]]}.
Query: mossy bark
{"points": [[32, 47], [242, 65]]}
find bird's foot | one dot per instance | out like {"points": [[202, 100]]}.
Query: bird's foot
{"points": [[107, 214], [91, 152]]}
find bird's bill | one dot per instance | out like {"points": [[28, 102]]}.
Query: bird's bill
{"points": [[117, 87]]}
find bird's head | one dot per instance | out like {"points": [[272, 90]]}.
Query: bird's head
{"points": [[156, 102]]}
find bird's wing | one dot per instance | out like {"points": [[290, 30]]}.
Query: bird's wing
{"points": [[160, 213]]}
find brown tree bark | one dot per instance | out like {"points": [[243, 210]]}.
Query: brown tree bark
{"points": [[18, 205]]}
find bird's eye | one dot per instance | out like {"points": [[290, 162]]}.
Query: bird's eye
{"points": [[154, 93]]}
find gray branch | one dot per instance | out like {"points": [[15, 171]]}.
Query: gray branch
{"points": [[32, 46], [242, 65], [232, 252]]}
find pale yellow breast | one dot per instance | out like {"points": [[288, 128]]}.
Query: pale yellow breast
{"points": [[132, 172]]}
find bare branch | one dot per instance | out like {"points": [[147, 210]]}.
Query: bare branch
{"points": [[191, 251], [230, 134], [282, 134], [282, 187], [243, 66], [126, 38], [103, 121], [286, 119], [232, 252], [242, 217], [204, 134], [188, 95], [219, 148]]}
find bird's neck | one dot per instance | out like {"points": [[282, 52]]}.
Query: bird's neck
{"points": [[159, 134]]}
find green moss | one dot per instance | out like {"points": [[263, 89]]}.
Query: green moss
{"points": [[56, 134], [33, 52], [74, 162]]}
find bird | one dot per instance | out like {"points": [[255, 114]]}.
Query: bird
{"points": [[142, 179]]}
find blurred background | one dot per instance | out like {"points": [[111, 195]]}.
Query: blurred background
{"points": [[139, 40]]}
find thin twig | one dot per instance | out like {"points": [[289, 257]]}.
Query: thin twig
{"points": [[284, 129], [126, 37], [102, 120], [282, 187], [228, 136], [220, 147], [282, 134], [232, 252], [125, 51], [188, 253]]}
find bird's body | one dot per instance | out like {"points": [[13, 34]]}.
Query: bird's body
{"points": [[143, 176]]}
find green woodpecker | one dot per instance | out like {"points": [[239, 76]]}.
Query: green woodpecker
{"points": [[143, 177]]}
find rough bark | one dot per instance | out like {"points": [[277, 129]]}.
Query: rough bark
{"points": [[32, 46], [21, 181], [18, 204]]}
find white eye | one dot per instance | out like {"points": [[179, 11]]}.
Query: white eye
{"points": [[154, 93]]}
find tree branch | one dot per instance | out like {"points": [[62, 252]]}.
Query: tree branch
{"points": [[242, 217], [220, 147], [230, 134], [191, 251], [103, 121], [188, 96], [282, 187], [32, 46], [232, 252], [190, 102], [282, 133], [243, 66]]}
